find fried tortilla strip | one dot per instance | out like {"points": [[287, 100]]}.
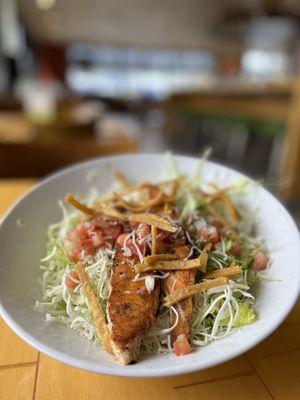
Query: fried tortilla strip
{"points": [[170, 265], [220, 195], [113, 213], [159, 257], [189, 291], [157, 200], [81, 207], [154, 240], [167, 208], [229, 271], [154, 220], [108, 211], [123, 182], [231, 210], [95, 310], [111, 199], [217, 215]]}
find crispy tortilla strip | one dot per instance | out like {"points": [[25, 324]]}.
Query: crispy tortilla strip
{"points": [[102, 209], [167, 208], [95, 310], [111, 199], [215, 213], [220, 195], [204, 256], [231, 210], [81, 207], [122, 181], [157, 200], [229, 271], [112, 212], [154, 240], [189, 291], [170, 265], [154, 220], [159, 257]]}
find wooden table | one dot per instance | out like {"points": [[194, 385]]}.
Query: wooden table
{"points": [[270, 371]]}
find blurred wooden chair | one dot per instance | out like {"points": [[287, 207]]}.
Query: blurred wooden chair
{"points": [[278, 103]]}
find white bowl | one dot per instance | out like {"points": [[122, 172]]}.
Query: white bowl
{"points": [[23, 243]]}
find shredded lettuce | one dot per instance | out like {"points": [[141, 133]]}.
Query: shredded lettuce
{"points": [[245, 316]]}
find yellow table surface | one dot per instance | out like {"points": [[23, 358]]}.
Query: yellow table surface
{"points": [[269, 371]]}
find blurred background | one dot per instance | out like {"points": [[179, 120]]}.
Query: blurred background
{"points": [[80, 79]]}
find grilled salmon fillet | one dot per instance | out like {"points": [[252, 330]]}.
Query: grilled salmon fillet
{"points": [[177, 280], [131, 310]]}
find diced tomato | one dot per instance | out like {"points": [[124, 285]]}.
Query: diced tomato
{"points": [[97, 239], [110, 228], [208, 234], [71, 284], [260, 261], [121, 239], [87, 237], [182, 346], [142, 231], [112, 232], [88, 247], [130, 245], [134, 225], [236, 249], [81, 231]]}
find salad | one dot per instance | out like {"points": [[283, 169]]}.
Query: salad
{"points": [[155, 267]]}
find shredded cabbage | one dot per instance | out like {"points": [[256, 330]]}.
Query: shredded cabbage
{"points": [[246, 315]]}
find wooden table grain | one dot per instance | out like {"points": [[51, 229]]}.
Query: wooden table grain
{"points": [[269, 371]]}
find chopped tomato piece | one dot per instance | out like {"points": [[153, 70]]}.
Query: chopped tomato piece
{"points": [[112, 232], [111, 229], [142, 231], [81, 231], [89, 236], [88, 247], [130, 250], [69, 282], [260, 261], [121, 239], [182, 346], [236, 249], [208, 234], [134, 224]]}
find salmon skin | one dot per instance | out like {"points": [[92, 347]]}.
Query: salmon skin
{"points": [[131, 309], [178, 280]]}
